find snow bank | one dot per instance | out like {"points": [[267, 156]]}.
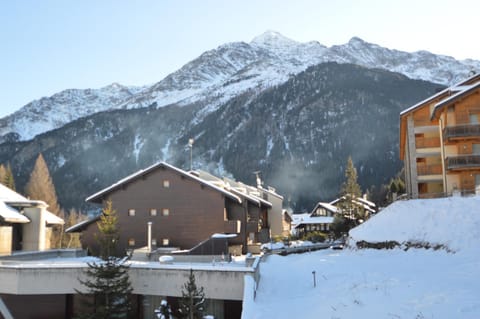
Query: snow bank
{"points": [[453, 222], [397, 284]]}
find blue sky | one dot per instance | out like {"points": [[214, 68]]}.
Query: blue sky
{"points": [[52, 45]]}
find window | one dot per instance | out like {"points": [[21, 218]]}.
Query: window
{"points": [[321, 212], [165, 242], [166, 183], [131, 212], [165, 212], [131, 242], [154, 242], [153, 212]]}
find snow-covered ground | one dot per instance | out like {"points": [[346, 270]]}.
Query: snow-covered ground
{"points": [[397, 284]]}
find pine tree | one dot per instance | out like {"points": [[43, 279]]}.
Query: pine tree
{"points": [[8, 179], [3, 173], [107, 281], [6, 176], [350, 190], [193, 299], [40, 187]]}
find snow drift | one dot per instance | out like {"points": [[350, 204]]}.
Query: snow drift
{"points": [[453, 222]]}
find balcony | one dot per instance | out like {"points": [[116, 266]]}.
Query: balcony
{"points": [[461, 131], [461, 162], [427, 142], [430, 169], [232, 226]]}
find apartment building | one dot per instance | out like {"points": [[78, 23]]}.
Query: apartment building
{"points": [[440, 142]]}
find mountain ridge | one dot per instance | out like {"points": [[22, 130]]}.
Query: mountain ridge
{"points": [[220, 74], [298, 134]]}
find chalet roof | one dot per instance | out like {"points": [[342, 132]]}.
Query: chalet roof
{"points": [[463, 91], [9, 200], [11, 215], [447, 91], [99, 196], [315, 220], [8, 195], [356, 200], [327, 206], [359, 201], [82, 225], [52, 219]]}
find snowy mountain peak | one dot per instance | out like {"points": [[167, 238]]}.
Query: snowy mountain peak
{"points": [[225, 72], [356, 40], [273, 39]]}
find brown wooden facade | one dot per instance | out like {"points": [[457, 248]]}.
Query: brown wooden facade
{"points": [[440, 142], [183, 210]]}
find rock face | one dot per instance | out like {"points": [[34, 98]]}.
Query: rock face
{"points": [[298, 133], [221, 74]]}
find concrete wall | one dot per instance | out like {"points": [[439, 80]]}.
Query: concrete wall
{"points": [[220, 282], [275, 216], [169, 282], [35, 232], [5, 239]]}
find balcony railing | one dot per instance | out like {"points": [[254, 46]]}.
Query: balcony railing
{"points": [[463, 162], [427, 142], [431, 169], [467, 130]]}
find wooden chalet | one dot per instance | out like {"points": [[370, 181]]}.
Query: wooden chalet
{"points": [[185, 209]]}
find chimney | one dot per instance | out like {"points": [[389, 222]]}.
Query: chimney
{"points": [[149, 237]]}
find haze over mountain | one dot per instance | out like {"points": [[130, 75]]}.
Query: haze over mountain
{"points": [[273, 105]]}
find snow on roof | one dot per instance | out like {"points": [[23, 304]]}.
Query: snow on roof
{"points": [[454, 88], [327, 206], [217, 235], [81, 225], [296, 218], [8, 195], [452, 221], [316, 220], [365, 201], [463, 90], [100, 194], [11, 215], [52, 219], [360, 201], [429, 99]]}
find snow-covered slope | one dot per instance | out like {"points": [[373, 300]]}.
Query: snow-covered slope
{"points": [[223, 73], [453, 222], [397, 284], [61, 108]]}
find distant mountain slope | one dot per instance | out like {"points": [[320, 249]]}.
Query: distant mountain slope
{"points": [[52, 112], [221, 74], [299, 134]]}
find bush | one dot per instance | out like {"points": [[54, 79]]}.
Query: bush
{"points": [[315, 237]]}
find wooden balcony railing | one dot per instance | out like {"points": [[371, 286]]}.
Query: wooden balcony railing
{"points": [[431, 169], [427, 142], [463, 162], [467, 130]]}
